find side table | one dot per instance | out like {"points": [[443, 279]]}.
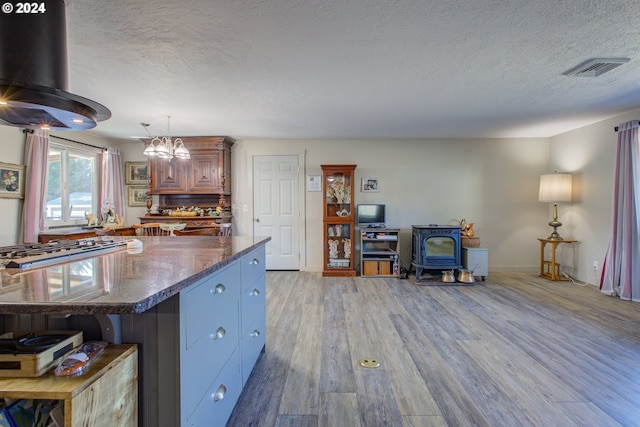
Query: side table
{"points": [[551, 269], [476, 259]]}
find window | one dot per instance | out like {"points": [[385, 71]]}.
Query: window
{"points": [[72, 184]]}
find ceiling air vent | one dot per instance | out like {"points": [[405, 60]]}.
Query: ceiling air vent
{"points": [[595, 67]]}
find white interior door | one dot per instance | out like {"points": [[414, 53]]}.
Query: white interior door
{"points": [[275, 209]]}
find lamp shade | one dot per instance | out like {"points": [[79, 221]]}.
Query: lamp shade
{"points": [[555, 188]]}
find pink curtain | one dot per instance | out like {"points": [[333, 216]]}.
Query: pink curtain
{"points": [[112, 187], [36, 156], [621, 270]]}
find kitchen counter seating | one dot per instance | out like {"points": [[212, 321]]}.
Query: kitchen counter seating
{"points": [[195, 305]]}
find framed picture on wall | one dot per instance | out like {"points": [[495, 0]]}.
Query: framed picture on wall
{"points": [[370, 185], [138, 196], [12, 186], [135, 173]]}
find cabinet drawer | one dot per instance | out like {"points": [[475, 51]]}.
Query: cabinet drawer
{"points": [[370, 268], [253, 303], [209, 303], [252, 343], [202, 222], [215, 407], [207, 356], [253, 266], [189, 221]]}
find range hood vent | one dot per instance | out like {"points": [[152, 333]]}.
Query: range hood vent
{"points": [[595, 67], [33, 74]]}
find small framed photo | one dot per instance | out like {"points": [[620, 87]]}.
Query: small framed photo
{"points": [[370, 185], [138, 196], [12, 181], [135, 173]]}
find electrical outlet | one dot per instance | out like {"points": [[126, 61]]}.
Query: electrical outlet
{"points": [[595, 265]]}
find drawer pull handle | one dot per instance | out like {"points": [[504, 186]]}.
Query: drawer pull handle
{"points": [[255, 261], [219, 333], [219, 289], [219, 394], [255, 333], [255, 292]]}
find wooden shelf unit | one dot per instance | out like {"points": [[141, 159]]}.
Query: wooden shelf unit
{"points": [[106, 395], [379, 252]]}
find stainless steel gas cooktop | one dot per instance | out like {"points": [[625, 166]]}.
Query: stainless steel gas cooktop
{"points": [[43, 254]]}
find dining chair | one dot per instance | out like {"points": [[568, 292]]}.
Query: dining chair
{"points": [[225, 229], [150, 229], [211, 231]]}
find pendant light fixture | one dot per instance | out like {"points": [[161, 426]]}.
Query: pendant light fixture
{"points": [[164, 147]]}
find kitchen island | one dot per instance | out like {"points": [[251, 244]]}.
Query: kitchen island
{"points": [[194, 305]]}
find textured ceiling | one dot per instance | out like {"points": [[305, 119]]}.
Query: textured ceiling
{"points": [[352, 69]]}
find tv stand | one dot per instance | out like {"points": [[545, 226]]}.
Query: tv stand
{"points": [[379, 255]]}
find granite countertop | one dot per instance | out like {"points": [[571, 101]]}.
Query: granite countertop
{"points": [[122, 282]]}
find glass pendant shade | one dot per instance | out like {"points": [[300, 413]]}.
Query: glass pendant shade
{"points": [[166, 148]]}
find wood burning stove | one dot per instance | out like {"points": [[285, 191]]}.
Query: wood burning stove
{"points": [[435, 247]]}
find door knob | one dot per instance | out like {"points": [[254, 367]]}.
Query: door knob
{"points": [[257, 220]]}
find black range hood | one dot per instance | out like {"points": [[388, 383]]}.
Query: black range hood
{"points": [[33, 72]]}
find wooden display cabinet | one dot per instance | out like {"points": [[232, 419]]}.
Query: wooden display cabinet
{"points": [[208, 171], [338, 220]]}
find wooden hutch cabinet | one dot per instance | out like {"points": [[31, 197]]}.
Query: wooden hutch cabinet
{"points": [[203, 181], [208, 171], [338, 220]]}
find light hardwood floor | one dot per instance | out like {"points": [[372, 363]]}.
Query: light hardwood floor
{"points": [[516, 350]]}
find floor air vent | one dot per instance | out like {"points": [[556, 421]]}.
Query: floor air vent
{"points": [[595, 67]]}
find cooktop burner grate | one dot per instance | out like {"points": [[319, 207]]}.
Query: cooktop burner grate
{"points": [[41, 254]]}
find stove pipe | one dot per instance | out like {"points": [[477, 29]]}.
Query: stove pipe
{"points": [[33, 71]]}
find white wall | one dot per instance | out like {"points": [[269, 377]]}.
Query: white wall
{"points": [[492, 183], [588, 153], [131, 151], [12, 143]]}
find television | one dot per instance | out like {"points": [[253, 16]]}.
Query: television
{"points": [[370, 215]]}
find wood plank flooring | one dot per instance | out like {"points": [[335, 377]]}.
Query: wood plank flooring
{"points": [[516, 350]]}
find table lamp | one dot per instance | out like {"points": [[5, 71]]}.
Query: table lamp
{"points": [[555, 188]]}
